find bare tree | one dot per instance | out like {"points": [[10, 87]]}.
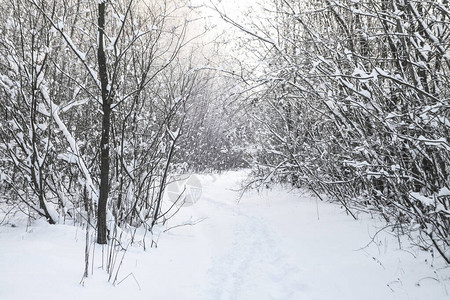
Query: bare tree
{"points": [[92, 101]]}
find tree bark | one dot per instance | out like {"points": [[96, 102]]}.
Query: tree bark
{"points": [[106, 126]]}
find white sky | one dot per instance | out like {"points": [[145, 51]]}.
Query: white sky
{"points": [[220, 45]]}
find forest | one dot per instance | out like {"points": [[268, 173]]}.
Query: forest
{"points": [[103, 102]]}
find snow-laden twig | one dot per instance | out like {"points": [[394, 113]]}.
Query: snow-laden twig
{"points": [[72, 143]]}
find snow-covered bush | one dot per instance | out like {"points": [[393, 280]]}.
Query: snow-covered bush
{"points": [[356, 104]]}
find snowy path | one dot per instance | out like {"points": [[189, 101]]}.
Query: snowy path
{"points": [[275, 245], [280, 245]]}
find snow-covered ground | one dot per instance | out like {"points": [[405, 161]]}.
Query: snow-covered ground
{"points": [[272, 245]]}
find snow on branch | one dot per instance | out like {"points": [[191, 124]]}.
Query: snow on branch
{"points": [[59, 26], [72, 143]]}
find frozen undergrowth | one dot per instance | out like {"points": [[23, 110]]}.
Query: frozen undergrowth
{"points": [[272, 245]]}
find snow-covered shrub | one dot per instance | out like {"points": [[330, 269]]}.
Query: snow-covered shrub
{"points": [[356, 104]]}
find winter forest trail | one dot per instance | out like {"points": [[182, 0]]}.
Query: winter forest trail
{"points": [[274, 244]]}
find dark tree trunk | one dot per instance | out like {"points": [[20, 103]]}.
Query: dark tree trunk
{"points": [[106, 126]]}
